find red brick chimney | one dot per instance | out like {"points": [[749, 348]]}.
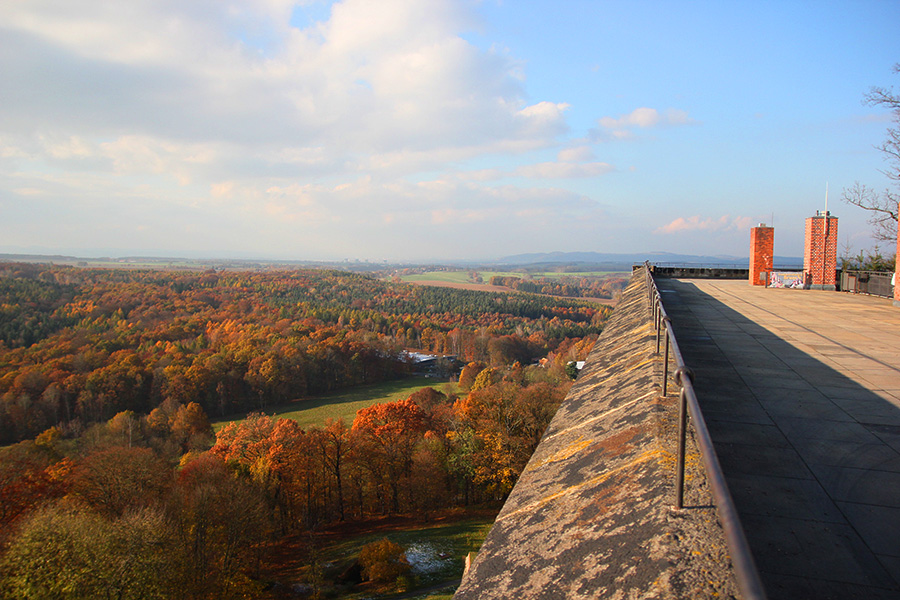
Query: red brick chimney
{"points": [[820, 251], [762, 249]]}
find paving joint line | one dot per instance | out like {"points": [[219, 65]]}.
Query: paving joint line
{"points": [[835, 342], [846, 520]]}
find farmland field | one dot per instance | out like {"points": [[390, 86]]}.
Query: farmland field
{"points": [[448, 276], [461, 280], [463, 276]]}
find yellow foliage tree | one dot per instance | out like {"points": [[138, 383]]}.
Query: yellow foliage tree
{"points": [[383, 561]]}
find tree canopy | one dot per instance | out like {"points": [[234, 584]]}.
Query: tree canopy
{"points": [[113, 483], [78, 346]]}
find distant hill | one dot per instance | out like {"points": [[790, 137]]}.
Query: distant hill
{"points": [[625, 261], [37, 258], [538, 261]]}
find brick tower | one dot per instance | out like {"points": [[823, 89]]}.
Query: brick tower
{"points": [[762, 248], [820, 251]]}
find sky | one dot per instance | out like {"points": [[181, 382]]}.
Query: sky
{"points": [[419, 130]]}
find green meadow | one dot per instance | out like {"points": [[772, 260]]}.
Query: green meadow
{"points": [[315, 411], [463, 276], [436, 552]]}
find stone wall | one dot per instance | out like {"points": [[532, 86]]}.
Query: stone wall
{"points": [[591, 516]]}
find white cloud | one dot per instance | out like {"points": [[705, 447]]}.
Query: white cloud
{"points": [[392, 78], [571, 163], [639, 117], [445, 216], [564, 170], [481, 175], [228, 119], [675, 116], [73, 147], [222, 189], [697, 223], [28, 191], [623, 126], [576, 154], [549, 111]]}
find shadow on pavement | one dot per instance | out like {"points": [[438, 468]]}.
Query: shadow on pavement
{"points": [[811, 457]]}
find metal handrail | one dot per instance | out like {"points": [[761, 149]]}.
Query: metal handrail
{"points": [[872, 283], [726, 265], [746, 573]]}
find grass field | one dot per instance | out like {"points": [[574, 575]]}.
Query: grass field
{"points": [[447, 276], [344, 404], [436, 552], [463, 276]]}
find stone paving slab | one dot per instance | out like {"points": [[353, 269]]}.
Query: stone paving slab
{"points": [[805, 417]]}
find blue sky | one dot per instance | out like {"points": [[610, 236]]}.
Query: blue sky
{"points": [[427, 129]]}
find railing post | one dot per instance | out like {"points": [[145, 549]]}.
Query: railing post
{"points": [[682, 434], [746, 574], [658, 323], [665, 381]]}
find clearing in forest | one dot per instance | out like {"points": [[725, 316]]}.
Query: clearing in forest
{"points": [[343, 404]]}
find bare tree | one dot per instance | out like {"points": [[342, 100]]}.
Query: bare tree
{"points": [[883, 206]]}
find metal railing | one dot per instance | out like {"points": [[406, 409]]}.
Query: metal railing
{"points": [[743, 264], [874, 283], [745, 569]]}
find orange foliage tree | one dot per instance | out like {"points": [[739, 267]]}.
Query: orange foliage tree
{"points": [[387, 434]]}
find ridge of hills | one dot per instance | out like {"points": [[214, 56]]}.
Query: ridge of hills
{"points": [[619, 260], [552, 260]]}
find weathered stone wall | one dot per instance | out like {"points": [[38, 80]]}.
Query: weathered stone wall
{"points": [[591, 515]]}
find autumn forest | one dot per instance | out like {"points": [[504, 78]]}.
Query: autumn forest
{"points": [[109, 379]]}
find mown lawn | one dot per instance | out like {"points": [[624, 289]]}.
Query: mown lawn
{"points": [[344, 404]]}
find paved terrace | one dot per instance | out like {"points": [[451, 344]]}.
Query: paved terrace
{"points": [[591, 516], [801, 391]]}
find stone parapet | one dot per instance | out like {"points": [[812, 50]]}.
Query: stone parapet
{"points": [[591, 515]]}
